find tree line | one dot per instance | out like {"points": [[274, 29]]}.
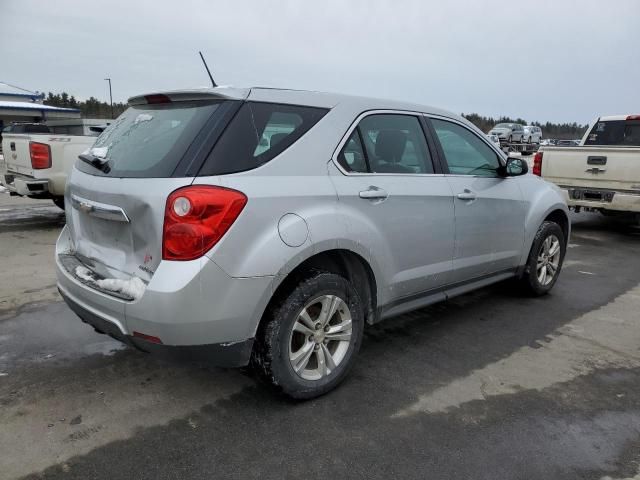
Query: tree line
{"points": [[90, 108], [566, 131]]}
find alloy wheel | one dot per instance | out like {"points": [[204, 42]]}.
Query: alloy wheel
{"points": [[548, 260], [320, 337]]}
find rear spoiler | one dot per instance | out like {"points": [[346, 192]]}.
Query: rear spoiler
{"points": [[218, 93]]}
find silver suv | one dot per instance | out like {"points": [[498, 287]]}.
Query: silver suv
{"points": [[268, 227], [509, 132]]}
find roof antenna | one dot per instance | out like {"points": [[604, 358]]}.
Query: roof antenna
{"points": [[208, 71]]}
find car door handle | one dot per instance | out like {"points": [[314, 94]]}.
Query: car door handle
{"points": [[374, 193], [467, 195]]}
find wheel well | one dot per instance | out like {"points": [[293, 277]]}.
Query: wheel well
{"points": [[560, 217], [346, 263]]}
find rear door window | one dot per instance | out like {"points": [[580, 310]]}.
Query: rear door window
{"points": [[387, 143], [615, 132], [352, 157], [257, 134]]}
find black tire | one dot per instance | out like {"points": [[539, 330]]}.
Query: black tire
{"points": [[59, 201], [270, 358], [530, 282]]}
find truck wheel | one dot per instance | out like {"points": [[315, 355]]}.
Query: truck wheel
{"points": [[308, 339], [59, 201], [545, 259]]}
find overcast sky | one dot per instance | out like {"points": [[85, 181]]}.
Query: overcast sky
{"points": [[557, 60]]}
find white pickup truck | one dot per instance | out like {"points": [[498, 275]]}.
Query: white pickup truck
{"points": [[603, 172], [38, 157]]}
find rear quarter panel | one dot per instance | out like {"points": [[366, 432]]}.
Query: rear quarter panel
{"points": [[297, 182]]}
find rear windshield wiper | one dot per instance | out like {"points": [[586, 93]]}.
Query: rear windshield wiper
{"points": [[101, 164]]}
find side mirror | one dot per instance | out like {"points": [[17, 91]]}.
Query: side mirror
{"points": [[515, 167]]}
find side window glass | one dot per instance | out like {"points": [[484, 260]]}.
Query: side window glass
{"points": [[464, 152], [278, 127], [257, 134], [352, 157], [395, 144]]}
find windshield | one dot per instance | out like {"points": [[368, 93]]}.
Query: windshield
{"points": [[149, 140], [503, 125], [615, 132]]}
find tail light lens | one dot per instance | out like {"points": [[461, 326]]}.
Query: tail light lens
{"points": [[196, 218], [537, 164], [40, 155]]}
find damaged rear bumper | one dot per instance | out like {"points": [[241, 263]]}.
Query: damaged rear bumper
{"points": [[194, 309], [226, 355]]}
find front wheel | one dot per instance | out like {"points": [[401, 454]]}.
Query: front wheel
{"points": [[308, 340], [545, 259]]}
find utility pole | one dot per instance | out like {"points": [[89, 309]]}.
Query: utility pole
{"points": [[110, 96]]}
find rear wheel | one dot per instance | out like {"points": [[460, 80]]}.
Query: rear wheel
{"points": [[59, 201], [308, 340], [545, 259]]}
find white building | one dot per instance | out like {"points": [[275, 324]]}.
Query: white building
{"points": [[20, 105]]}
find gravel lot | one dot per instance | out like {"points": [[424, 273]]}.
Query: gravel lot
{"points": [[486, 386]]}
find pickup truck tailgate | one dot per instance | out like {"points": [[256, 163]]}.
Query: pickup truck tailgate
{"points": [[607, 167], [15, 148]]}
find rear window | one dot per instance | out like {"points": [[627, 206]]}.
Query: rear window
{"points": [[615, 132], [258, 133], [30, 128], [150, 140]]}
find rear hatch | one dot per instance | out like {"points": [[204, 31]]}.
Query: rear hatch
{"points": [[610, 158], [118, 189]]}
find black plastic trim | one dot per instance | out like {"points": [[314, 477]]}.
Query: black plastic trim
{"points": [[444, 288], [433, 145], [199, 150], [444, 167]]}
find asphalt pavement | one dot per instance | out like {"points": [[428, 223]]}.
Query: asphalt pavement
{"points": [[490, 385]]}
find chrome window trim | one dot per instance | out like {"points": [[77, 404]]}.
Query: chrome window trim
{"points": [[354, 125]]}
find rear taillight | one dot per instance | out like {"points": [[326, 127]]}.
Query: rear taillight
{"points": [[196, 217], [40, 155], [537, 164]]}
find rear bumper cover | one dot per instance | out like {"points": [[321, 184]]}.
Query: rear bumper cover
{"points": [[620, 201], [25, 186], [227, 355]]}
